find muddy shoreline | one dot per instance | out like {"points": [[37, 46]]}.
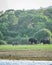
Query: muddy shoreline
{"points": [[26, 54]]}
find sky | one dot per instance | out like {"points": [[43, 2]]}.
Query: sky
{"points": [[24, 4]]}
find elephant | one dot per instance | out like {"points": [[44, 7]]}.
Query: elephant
{"points": [[45, 41], [32, 40]]}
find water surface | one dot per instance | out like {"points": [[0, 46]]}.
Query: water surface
{"points": [[24, 62]]}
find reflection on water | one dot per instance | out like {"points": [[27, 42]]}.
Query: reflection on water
{"points": [[24, 62]]}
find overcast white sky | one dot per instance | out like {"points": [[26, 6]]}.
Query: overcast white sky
{"points": [[24, 4]]}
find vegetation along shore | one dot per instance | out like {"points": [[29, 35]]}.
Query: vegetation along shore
{"points": [[26, 52]]}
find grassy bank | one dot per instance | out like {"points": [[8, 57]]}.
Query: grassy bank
{"points": [[26, 47], [27, 52]]}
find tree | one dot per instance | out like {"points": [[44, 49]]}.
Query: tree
{"points": [[43, 34], [49, 25], [48, 12], [1, 35]]}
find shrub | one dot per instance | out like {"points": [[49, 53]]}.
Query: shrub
{"points": [[43, 34], [2, 42]]}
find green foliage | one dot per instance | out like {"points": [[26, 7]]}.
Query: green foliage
{"points": [[49, 25], [17, 26], [26, 47], [48, 12], [2, 42], [43, 34], [1, 35]]}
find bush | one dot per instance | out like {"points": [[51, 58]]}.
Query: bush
{"points": [[43, 34], [2, 42]]}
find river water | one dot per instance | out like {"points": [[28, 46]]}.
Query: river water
{"points": [[24, 62]]}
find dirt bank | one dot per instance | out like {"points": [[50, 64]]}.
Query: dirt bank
{"points": [[26, 54]]}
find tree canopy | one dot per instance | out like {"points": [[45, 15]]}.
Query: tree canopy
{"points": [[19, 25]]}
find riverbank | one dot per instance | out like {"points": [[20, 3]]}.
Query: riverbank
{"points": [[26, 54]]}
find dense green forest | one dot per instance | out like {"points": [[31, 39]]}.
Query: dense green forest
{"points": [[17, 26]]}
